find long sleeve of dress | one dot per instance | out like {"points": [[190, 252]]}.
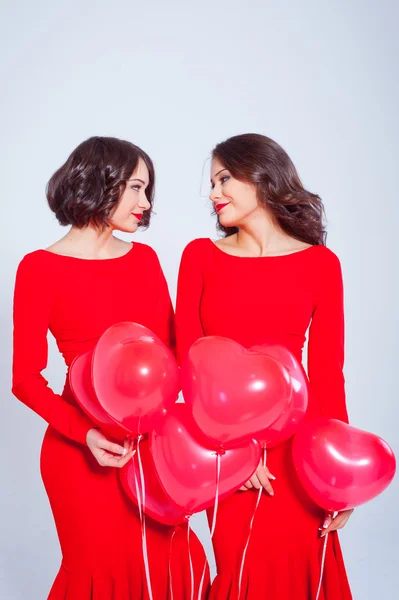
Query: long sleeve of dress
{"points": [[326, 341], [162, 317], [189, 291], [32, 304]]}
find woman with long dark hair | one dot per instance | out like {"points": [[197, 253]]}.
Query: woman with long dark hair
{"points": [[77, 288], [265, 281]]}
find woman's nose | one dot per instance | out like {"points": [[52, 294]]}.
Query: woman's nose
{"points": [[215, 194], [144, 202]]}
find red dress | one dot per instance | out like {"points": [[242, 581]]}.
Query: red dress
{"points": [[98, 528], [272, 300]]}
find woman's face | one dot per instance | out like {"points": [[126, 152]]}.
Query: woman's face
{"points": [[133, 202], [234, 200]]}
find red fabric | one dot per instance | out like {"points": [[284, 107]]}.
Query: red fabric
{"points": [[98, 528], [272, 300]]}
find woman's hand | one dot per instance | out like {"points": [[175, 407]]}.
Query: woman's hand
{"points": [[106, 453], [261, 478], [332, 524]]}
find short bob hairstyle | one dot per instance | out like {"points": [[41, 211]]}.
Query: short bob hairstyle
{"points": [[87, 188]]}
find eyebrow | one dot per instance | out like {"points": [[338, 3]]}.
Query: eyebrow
{"points": [[218, 173], [137, 179]]}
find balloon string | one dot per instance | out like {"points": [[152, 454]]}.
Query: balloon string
{"points": [[264, 457], [138, 493], [202, 580], [250, 529], [215, 511], [170, 564], [218, 465], [190, 561], [143, 519], [323, 560]]}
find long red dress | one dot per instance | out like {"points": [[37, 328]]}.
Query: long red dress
{"points": [[98, 528], [272, 300]]}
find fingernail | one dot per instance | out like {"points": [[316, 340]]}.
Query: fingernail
{"points": [[272, 477], [124, 451], [325, 524], [271, 493]]}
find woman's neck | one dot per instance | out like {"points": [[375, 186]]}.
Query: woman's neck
{"points": [[90, 242], [260, 235]]}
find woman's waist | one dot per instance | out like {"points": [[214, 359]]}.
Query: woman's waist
{"points": [[67, 393]]}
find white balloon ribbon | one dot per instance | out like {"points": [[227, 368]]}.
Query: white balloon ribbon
{"points": [[215, 511], [323, 561], [250, 528], [141, 506]]}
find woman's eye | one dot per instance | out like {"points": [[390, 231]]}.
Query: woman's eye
{"points": [[136, 187], [224, 178]]}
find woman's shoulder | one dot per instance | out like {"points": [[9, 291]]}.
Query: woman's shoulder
{"points": [[326, 267], [146, 251], [197, 247], [37, 259], [36, 269], [325, 256]]}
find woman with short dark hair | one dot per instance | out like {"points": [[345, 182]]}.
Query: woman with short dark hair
{"points": [[263, 283], [77, 288]]}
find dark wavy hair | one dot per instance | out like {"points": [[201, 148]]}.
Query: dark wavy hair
{"points": [[256, 159], [87, 188]]}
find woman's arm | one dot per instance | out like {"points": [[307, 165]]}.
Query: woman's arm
{"points": [[32, 303], [326, 340], [160, 317], [189, 292]]}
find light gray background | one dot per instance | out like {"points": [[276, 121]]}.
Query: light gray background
{"points": [[319, 77]]}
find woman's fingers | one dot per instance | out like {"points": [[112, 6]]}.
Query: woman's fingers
{"points": [[123, 460], [328, 518], [264, 481], [268, 474], [108, 453], [113, 447], [338, 523], [255, 481], [260, 479], [106, 459]]}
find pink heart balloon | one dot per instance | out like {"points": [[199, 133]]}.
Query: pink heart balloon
{"points": [[294, 413], [186, 463], [81, 386], [158, 505], [135, 376], [340, 466], [234, 393]]}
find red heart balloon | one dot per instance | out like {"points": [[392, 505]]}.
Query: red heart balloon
{"points": [[81, 386], [158, 505], [234, 393], [135, 376], [294, 413], [186, 463], [340, 466]]}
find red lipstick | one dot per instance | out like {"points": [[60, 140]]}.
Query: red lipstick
{"points": [[219, 207], [138, 216]]}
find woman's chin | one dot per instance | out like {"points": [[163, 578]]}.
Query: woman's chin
{"points": [[227, 222], [127, 227]]}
